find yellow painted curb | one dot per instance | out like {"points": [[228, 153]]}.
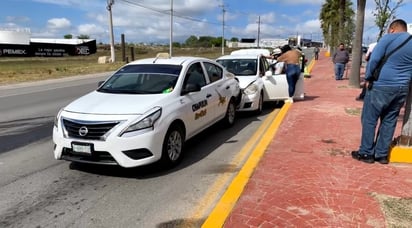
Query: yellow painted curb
{"points": [[400, 154], [225, 205], [311, 65]]}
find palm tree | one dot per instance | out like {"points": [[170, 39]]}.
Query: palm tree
{"points": [[337, 29], [329, 23], [354, 78]]}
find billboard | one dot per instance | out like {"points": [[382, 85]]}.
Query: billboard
{"points": [[18, 43], [47, 49]]}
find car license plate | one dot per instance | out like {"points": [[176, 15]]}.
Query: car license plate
{"points": [[83, 148]]}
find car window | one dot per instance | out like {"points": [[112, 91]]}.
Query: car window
{"points": [[240, 67], [195, 75], [142, 79], [214, 72], [263, 66]]}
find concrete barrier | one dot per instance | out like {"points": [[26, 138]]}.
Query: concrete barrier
{"points": [[103, 59]]}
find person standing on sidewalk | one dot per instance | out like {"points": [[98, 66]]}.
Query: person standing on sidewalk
{"points": [[367, 57], [385, 99], [316, 52], [340, 58], [291, 58]]}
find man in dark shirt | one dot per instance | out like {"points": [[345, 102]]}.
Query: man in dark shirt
{"points": [[340, 58]]}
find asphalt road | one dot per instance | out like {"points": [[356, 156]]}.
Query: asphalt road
{"points": [[38, 191]]}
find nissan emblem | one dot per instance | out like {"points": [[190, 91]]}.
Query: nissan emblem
{"points": [[83, 131]]}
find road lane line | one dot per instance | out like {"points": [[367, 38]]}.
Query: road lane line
{"points": [[212, 193], [225, 205]]}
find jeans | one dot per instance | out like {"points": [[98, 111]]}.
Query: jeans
{"points": [[292, 76], [383, 103], [339, 69]]}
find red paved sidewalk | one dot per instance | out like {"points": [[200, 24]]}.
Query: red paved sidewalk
{"points": [[307, 178]]}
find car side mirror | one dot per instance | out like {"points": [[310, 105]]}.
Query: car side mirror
{"points": [[100, 83], [190, 87]]}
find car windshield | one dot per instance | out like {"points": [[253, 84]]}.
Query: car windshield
{"points": [[240, 67], [143, 79]]}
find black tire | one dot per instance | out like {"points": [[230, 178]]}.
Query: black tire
{"points": [[172, 149], [260, 105], [230, 116]]}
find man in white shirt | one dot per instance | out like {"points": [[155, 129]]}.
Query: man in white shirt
{"points": [[369, 52], [367, 56]]}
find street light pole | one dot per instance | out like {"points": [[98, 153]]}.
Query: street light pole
{"points": [[109, 8], [171, 29]]}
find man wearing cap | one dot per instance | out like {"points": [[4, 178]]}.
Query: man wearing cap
{"points": [[276, 66]]}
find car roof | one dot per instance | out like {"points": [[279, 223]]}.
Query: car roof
{"points": [[180, 60], [245, 56], [251, 51]]}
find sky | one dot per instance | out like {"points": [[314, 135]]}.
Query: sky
{"points": [[149, 21]]}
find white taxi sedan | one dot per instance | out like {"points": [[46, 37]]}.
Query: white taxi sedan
{"points": [[257, 81], [145, 112], [249, 68]]}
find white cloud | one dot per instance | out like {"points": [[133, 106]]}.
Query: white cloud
{"points": [[58, 23], [91, 30], [297, 2]]}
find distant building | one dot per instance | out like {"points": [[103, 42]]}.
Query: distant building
{"points": [[273, 43], [17, 43], [252, 43]]}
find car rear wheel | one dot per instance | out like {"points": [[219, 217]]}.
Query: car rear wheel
{"points": [[229, 119], [173, 146]]}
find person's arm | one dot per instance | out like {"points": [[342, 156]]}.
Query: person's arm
{"points": [[282, 58], [367, 56], [347, 57]]}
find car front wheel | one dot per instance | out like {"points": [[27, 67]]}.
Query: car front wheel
{"points": [[229, 119], [260, 104], [173, 146]]}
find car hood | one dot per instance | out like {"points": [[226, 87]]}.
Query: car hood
{"points": [[114, 104], [244, 81]]}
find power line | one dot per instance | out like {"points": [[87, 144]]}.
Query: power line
{"points": [[167, 12]]}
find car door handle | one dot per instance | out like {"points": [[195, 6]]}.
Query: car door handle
{"points": [[208, 95], [227, 87]]}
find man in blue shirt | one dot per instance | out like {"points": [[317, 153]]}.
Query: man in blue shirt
{"points": [[384, 100]]}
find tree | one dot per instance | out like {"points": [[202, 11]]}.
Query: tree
{"points": [[342, 5], [68, 36], [234, 39], [82, 36], [385, 13], [337, 29], [191, 41], [354, 77], [217, 42]]}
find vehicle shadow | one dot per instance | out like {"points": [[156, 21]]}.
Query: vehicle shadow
{"points": [[196, 149]]}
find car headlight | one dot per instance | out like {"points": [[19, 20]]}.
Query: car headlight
{"points": [[251, 89], [146, 122]]}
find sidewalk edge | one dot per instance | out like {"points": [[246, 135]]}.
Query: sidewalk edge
{"points": [[225, 205]]}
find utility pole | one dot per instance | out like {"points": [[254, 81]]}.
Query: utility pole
{"points": [[223, 28], [258, 37], [171, 29], [109, 8]]}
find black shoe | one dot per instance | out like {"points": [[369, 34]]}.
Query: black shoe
{"points": [[363, 157], [382, 160], [359, 98]]}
